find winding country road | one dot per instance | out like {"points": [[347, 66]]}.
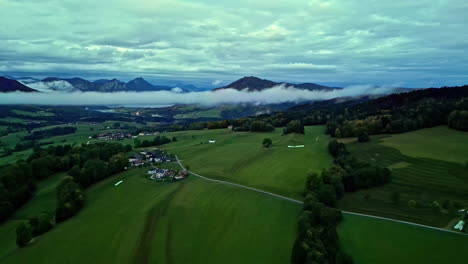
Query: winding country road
{"points": [[300, 202]]}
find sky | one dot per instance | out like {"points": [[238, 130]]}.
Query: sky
{"points": [[210, 43]]}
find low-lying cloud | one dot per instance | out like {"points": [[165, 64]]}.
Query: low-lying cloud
{"points": [[275, 95]]}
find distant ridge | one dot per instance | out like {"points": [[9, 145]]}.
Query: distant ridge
{"points": [[252, 83], [8, 85], [103, 85]]}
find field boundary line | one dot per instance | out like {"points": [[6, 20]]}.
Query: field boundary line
{"points": [[300, 202]]}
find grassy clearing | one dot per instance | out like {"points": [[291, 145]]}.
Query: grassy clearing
{"points": [[239, 157], [15, 120], [43, 201], [440, 143], [209, 222], [82, 135], [213, 113], [371, 241], [421, 179], [33, 114]]}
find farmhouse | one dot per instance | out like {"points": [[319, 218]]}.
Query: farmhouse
{"points": [[162, 173], [136, 160], [181, 175]]}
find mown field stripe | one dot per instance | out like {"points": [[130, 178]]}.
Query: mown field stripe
{"points": [[238, 185], [300, 202]]}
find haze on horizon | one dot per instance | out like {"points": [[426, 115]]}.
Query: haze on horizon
{"points": [[211, 43]]}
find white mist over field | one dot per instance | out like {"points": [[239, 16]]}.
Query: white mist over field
{"points": [[274, 95]]}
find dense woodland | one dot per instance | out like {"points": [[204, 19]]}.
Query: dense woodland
{"points": [[396, 113]]}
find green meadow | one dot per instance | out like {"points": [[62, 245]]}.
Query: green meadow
{"points": [[81, 135], [371, 241], [197, 221], [426, 166], [141, 221], [239, 157]]}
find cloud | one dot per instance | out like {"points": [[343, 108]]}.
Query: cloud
{"points": [[48, 87], [177, 90], [216, 82], [274, 95]]}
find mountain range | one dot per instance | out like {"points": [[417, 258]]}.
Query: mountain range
{"points": [[51, 84], [78, 84], [54, 84]]}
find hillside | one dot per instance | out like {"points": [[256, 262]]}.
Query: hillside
{"points": [[8, 85]]}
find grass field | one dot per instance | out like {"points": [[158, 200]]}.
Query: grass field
{"points": [[214, 113], [80, 136], [372, 241], [33, 114], [196, 221], [141, 221], [421, 179], [239, 157], [440, 143]]}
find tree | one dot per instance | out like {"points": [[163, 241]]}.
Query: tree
{"points": [[41, 224], [117, 163], [337, 133], [260, 126], [363, 137], [327, 195], [267, 142], [294, 126], [23, 234], [412, 203], [436, 207], [174, 139], [136, 143], [70, 199], [395, 196]]}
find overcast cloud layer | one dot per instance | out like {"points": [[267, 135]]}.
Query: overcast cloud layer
{"points": [[275, 95], [211, 43]]}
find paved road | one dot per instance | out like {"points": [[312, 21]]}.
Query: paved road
{"points": [[300, 202]]}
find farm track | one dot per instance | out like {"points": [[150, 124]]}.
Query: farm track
{"points": [[300, 202], [143, 251]]}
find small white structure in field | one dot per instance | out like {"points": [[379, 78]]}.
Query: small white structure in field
{"points": [[212, 141], [119, 182], [298, 146], [459, 225]]}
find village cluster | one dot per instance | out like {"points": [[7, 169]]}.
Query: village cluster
{"points": [[148, 157], [122, 135], [157, 156]]}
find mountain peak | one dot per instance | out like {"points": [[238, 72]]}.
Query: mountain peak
{"points": [[251, 83], [8, 85]]}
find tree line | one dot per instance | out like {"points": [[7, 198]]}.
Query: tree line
{"points": [[86, 165], [157, 141], [317, 239], [405, 112], [50, 132]]}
